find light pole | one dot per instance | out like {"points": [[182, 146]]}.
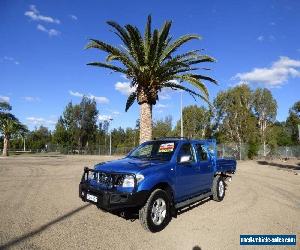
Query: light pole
{"points": [[110, 120], [181, 116]]}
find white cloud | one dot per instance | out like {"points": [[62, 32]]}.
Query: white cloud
{"points": [[40, 121], [275, 76], [160, 106], [31, 99], [50, 32], [174, 81], [10, 59], [124, 76], [73, 17], [4, 98], [286, 62], [260, 38], [116, 113], [269, 38], [35, 15], [77, 94], [98, 99], [124, 88], [104, 117], [164, 94]]}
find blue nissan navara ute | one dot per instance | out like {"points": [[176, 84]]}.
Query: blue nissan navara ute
{"points": [[158, 178]]}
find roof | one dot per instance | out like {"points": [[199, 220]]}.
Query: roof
{"points": [[204, 141]]}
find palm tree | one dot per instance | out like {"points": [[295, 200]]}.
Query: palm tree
{"points": [[9, 125], [150, 63]]}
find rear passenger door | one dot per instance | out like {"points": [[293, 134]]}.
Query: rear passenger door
{"points": [[187, 174], [205, 165]]}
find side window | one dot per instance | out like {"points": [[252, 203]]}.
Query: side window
{"points": [[187, 150], [202, 155]]}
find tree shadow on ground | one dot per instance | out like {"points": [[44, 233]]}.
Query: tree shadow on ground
{"points": [[18, 240], [279, 165]]}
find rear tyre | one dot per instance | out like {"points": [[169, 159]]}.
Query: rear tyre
{"points": [[155, 214], [218, 188]]}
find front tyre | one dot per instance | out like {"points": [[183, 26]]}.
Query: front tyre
{"points": [[155, 214], [218, 188]]}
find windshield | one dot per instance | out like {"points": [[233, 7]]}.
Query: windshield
{"points": [[160, 150]]}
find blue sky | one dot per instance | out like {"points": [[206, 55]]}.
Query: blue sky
{"points": [[43, 61]]}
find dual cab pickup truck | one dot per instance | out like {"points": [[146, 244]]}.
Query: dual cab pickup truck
{"points": [[158, 178]]}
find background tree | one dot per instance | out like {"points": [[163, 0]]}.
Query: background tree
{"points": [[9, 126], [235, 122], [39, 139], [279, 135], [61, 135], [102, 134], [162, 127], [77, 127], [196, 122], [265, 109], [293, 121], [150, 63]]}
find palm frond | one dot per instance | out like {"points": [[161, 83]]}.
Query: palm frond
{"points": [[194, 81], [121, 32], [163, 36], [147, 36], [115, 52], [108, 66], [153, 46], [194, 94], [130, 100], [176, 44], [201, 59], [137, 44], [207, 78]]}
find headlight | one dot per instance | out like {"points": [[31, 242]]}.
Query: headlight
{"points": [[128, 180], [139, 177]]}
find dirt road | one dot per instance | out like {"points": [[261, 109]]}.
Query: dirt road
{"points": [[40, 209]]}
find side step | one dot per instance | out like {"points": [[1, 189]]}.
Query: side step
{"points": [[192, 200]]}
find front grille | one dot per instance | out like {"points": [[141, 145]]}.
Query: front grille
{"points": [[103, 178]]}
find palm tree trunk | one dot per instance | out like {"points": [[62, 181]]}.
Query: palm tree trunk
{"points": [[145, 122], [5, 146]]}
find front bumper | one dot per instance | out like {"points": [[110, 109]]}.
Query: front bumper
{"points": [[112, 200]]}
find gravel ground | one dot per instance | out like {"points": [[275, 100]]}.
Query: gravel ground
{"points": [[40, 209]]}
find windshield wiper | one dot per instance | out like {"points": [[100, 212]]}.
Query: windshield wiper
{"points": [[158, 158]]}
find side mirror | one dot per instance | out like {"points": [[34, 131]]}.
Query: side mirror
{"points": [[185, 159]]}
